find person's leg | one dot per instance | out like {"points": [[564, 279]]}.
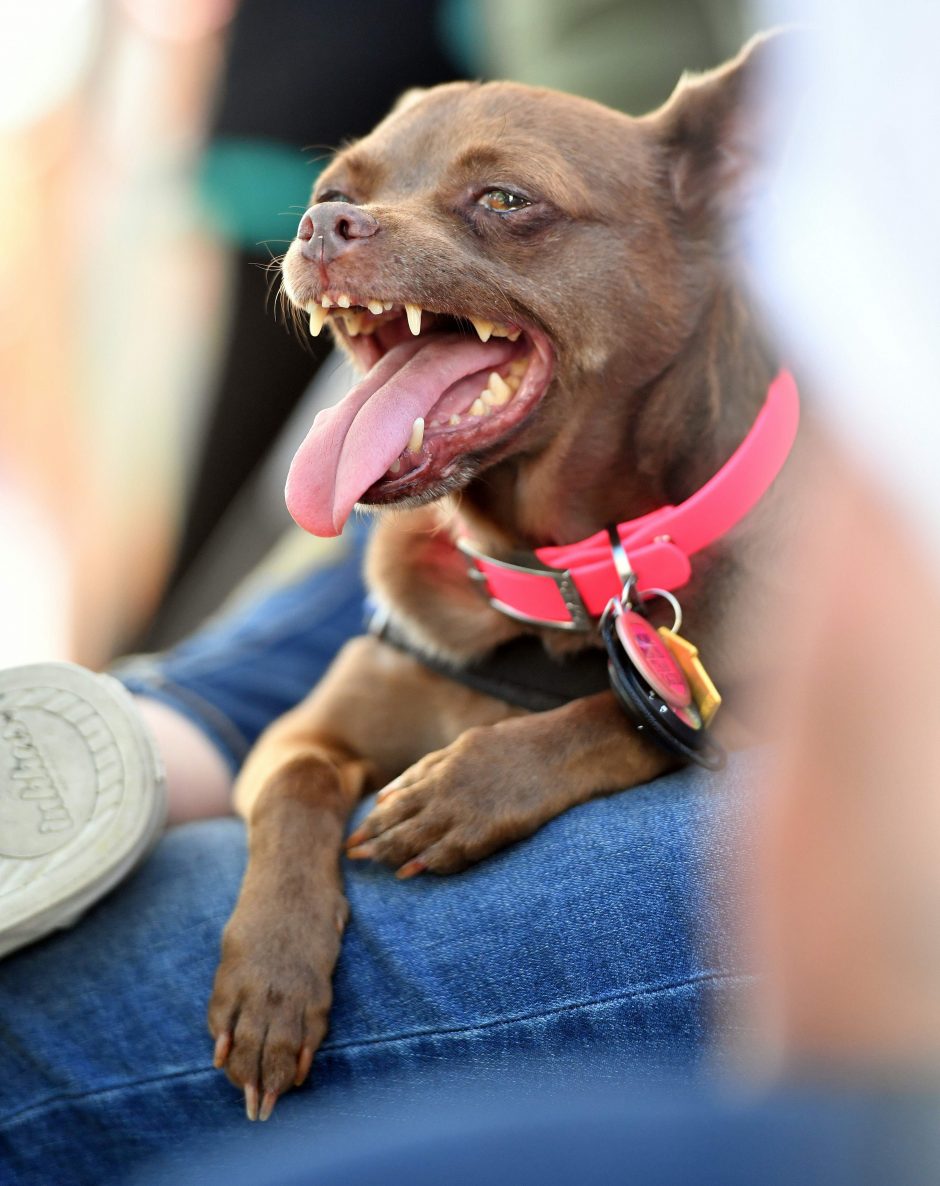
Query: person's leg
{"points": [[82, 764], [599, 939], [261, 655]]}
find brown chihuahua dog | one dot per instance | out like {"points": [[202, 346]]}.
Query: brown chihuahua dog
{"points": [[614, 369]]}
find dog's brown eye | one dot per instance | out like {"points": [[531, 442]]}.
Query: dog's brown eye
{"points": [[335, 195], [502, 201]]}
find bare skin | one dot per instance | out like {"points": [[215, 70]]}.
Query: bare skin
{"points": [[601, 239]]}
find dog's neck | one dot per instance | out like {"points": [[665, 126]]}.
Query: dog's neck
{"points": [[625, 450]]}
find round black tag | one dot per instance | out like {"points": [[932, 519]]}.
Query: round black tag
{"points": [[676, 725]]}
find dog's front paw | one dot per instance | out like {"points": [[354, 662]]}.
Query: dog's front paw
{"points": [[270, 1003], [452, 808]]}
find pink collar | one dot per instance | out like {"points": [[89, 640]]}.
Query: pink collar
{"points": [[569, 586]]}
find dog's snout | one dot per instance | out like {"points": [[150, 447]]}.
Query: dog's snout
{"points": [[331, 228]]}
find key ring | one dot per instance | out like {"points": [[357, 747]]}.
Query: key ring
{"points": [[673, 601]]}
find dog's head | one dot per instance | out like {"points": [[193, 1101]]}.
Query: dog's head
{"points": [[500, 260]]}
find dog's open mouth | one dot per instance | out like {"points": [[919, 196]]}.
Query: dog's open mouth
{"points": [[442, 390]]}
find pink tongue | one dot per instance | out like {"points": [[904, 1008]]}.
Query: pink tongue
{"points": [[352, 444]]}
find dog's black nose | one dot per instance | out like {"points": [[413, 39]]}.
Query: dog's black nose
{"points": [[329, 229]]}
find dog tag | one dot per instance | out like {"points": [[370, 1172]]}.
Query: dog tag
{"points": [[706, 695], [650, 682], [653, 658]]}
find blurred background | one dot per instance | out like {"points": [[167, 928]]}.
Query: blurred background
{"points": [[155, 157]]}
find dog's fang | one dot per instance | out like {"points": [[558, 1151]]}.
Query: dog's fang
{"points": [[483, 328], [413, 313], [499, 388], [318, 316], [417, 435]]}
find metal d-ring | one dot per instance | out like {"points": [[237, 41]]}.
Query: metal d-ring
{"points": [[673, 601]]}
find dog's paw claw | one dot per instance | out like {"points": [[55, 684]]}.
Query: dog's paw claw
{"points": [[361, 852], [223, 1048], [268, 1101], [411, 869], [251, 1101], [304, 1063]]}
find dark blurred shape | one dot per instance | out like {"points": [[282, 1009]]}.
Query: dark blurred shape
{"points": [[517, 1136]]}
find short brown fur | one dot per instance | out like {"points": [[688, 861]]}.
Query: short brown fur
{"points": [[660, 369]]}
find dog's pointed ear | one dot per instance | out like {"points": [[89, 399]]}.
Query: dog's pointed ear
{"points": [[722, 129]]}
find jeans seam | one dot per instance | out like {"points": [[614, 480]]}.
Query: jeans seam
{"points": [[454, 1031], [557, 1011]]}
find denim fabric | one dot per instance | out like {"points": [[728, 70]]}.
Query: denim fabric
{"points": [[601, 940], [251, 664], [801, 1134]]}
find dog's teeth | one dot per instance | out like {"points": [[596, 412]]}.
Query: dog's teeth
{"points": [[386, 305], [417, 435], [478, 408], [318, 316], [395, 467], [353, 324], [376, 307], [483, 328], [343, 301], [503, 331], [455, 419], [519, 366], [499, 387], [413, 313], [327, 302]]}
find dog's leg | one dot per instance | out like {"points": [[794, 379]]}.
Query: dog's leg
{"points": [[272, 990], [497, 784], [374, 713]]}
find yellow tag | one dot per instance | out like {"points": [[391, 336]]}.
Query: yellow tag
{"points": [[707, 699]]}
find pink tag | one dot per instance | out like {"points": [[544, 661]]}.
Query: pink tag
{"points": [[653, 659]]}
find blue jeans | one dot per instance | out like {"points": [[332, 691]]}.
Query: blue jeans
{"points": [[602, 940]]}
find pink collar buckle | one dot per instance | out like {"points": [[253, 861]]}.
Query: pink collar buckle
{"points": [[568, 587]]}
